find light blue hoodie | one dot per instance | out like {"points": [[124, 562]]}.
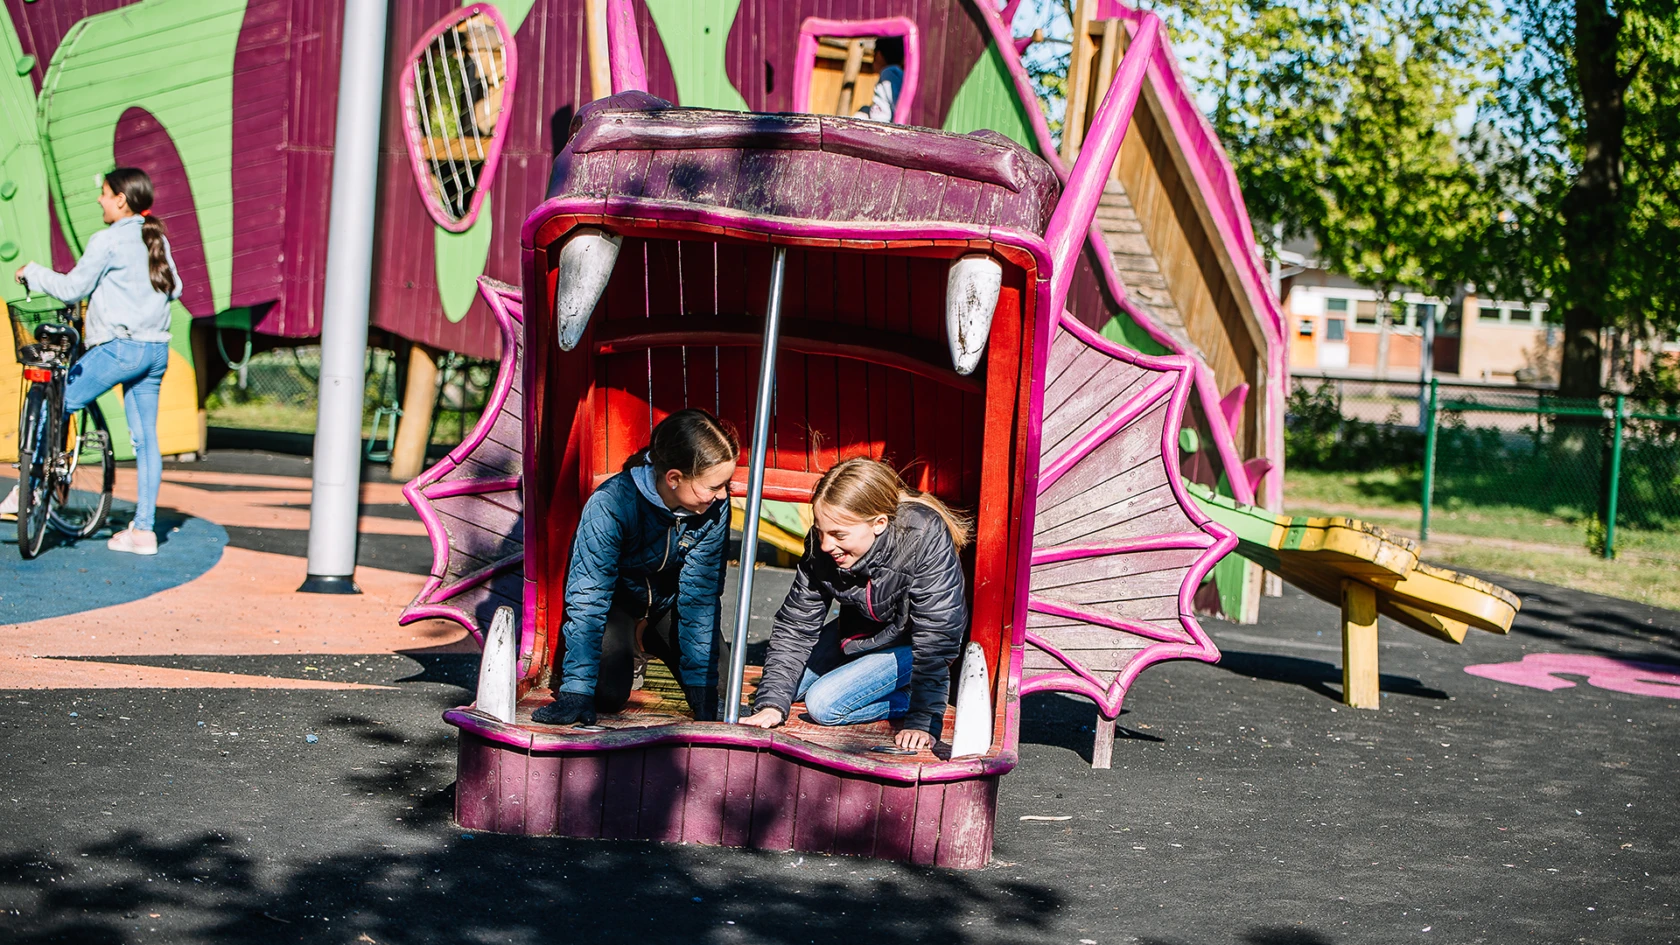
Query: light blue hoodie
{"points": [[116, 270]]}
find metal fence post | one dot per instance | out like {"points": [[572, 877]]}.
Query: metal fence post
{"points": [[1429, 458], [1615, 480]]}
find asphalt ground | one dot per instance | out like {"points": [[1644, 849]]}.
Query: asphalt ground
{"points": [[1245, 805]]}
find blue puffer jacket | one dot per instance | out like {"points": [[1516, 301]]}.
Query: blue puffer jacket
{"points": [[634, 552]]}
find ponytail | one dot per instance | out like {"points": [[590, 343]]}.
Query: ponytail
{"points": [[136, 186], [690, 441], [867, 488]]}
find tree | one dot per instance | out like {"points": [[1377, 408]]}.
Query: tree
{"points": [[1339, 117], [1583, 144]]}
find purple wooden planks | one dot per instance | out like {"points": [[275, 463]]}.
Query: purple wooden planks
{"points": [[857, 816], [930, 809], [739, 799], [703, 802], [819, 805], [775, 798], [583, 784], [664, 786], [512, 766], [543, 774], [896, 821], [965, 834], [476, 782], [622, 804]]}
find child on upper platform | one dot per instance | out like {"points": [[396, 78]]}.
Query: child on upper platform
{"points": [[888, 555]]}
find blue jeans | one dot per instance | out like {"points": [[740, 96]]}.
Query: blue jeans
{"points": [[874, 686], [138, 366]]}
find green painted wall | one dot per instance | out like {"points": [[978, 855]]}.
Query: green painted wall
{"points": [[987, 99], [695, 33], [1122, 330], [25, 233], [112, 61]]}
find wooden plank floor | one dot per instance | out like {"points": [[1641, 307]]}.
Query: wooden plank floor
{"points": [[660, 702]]}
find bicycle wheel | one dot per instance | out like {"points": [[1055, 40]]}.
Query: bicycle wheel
{"points": [[87, 471], [35, 469]]}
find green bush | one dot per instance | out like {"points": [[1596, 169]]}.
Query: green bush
{"points": [[1317, 436]]}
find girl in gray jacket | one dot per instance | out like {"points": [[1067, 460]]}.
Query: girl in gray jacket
{"points": [[129, 278], [888, 555]]}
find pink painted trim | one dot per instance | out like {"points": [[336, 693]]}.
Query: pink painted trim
{"points": [[1181, 541], [411, 129], [624, 49], [1102, 432], [508, 311], [1077, 210], [994, 762], [805, 56], [455, 487], [1097, 617]]}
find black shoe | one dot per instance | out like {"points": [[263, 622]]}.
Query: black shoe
{"points": [[703, 702], [567, 707]]}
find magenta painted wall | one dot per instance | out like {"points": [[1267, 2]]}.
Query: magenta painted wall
{"points": [[284, 108]]}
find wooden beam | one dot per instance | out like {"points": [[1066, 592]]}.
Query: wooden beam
{"points": [[408, 454], [849, 77], [1102, 748], [1360, 687], [600, 70], [1079, 83]]}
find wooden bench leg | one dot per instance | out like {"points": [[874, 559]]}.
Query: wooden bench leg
{"points": [[1360, 688], [1102, 748]]}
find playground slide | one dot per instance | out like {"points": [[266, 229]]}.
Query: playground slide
{"points": [[1319, 554]]}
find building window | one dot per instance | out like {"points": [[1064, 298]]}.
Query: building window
{"points": [[1521, 314], [1335, 329], [1306, 329], [1336, 305], [1365, 315], [1487, 314], [1422, 312]]}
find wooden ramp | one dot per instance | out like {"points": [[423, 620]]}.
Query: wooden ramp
{"points": [[1366, 571]]}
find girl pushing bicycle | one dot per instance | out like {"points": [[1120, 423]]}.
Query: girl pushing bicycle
{"points": [[129, 278]]}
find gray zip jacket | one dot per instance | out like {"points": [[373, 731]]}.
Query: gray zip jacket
{"points": [[906, 590], [114, 274]]}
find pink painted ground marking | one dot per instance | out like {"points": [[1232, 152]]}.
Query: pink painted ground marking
{"points": [[1541, 671]]}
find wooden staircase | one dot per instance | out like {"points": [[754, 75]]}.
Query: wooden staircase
{"points": [[1135, 261]]}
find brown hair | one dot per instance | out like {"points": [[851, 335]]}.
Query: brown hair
{"points": [[867, 488], [135, 185], [690, 441]]}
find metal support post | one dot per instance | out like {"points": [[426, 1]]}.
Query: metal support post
{"points": [[755, 486], [333, 504], [1615, 478], [1433, 427]]}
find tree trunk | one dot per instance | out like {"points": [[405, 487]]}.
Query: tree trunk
{"points": [[1591, 209]]}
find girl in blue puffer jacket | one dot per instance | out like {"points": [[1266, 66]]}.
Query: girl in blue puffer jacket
{"points": [[646, 572]]}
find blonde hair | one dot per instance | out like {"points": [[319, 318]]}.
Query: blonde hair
{"points": [[867, 488]]}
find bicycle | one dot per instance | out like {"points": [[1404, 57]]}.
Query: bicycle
{"points": [[66, 467]]}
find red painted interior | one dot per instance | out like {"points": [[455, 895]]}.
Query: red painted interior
{"points": [[863, 370]]}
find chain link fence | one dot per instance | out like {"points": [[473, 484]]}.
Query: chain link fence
{"points": [[276, 391], [1515, 465]]}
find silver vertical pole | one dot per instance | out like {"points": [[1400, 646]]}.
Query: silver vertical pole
{"points": [[344, 327], [755, 486]]}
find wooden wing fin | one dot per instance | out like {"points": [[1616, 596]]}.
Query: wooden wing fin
{"points": [[471, 501], [1118, 547]]}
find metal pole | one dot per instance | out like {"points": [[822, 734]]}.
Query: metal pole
{"points": [[755, 486], [338, 424], [1615, 480], [1426, 363], [1429, 459]]}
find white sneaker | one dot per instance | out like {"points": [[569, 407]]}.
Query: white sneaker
{"points": [[134, 542], [8, 505]]}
